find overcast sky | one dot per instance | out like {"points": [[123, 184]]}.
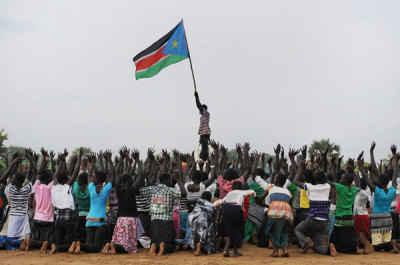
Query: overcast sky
{"points": [[270, 71]]}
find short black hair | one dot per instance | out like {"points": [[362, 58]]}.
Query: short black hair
{"points": [[347, 179], [230, 174], [363, 183], [83, 179], [280, 180], [62, 177], [165, 177], [383, 180], [260, 172], [197, 176], [45, 176], [19, 178], [309, 176], [320, 177], [206, 196], [237, 185], [126, 178], [100, 176]]}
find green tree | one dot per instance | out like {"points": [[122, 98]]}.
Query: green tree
{"points": [[321, 145], [87, 151], [3, 137]]}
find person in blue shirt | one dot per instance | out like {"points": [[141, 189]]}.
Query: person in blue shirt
{"points": [[381, 220]]}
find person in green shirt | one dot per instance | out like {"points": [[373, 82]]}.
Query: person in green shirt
{"points": [[81, 194], [344, 237]]}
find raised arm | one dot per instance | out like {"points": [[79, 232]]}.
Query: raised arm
{"points": [[255, 163], [246, 161], [198, 104], [239, 159], [140, 177], [297, 179], [77, 167], [60, 161], [214, 169], [374, 169], [292, 154], [10, 168], [395, 162], [277, 150], [101, 163], [32, 165], [365, 176]]}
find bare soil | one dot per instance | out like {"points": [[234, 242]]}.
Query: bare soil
{"points": [[251, 255]]}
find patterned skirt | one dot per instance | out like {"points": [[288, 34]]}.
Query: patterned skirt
{"points": [[381, 222], [126, 233]]}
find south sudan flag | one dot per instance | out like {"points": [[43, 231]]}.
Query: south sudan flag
{"points": [[170, 49]]}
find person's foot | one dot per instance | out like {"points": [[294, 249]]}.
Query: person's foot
{"points": [[270, 244], [237, 253], [153, 248], [44, 247], [254, 239], [358, 250], [23, 245], [78, 247], [71, 249], [274, 254], [28, 240], [112, 249], [394, 245], [198, 248], [226, 254], [285, 252], [106, 249], [53, 248], [161, 251], [332, 250], [309, 245], [185, 247]]}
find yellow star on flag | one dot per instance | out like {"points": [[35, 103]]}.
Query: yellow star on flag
{"points": [[175, 44]]}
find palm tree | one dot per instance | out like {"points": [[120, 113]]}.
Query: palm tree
{"points": [[321, 145]]}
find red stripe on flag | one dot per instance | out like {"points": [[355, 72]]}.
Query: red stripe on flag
{"points": [[149, 61]]}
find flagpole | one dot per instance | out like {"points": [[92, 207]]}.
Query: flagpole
{"points": [[190, 58]]}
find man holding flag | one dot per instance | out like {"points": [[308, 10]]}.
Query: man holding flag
{"points": [[170, 49]]}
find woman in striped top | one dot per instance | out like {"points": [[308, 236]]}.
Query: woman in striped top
{"points": [[204, 129]]}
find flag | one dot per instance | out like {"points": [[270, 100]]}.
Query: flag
{"points": [[170, 49]]}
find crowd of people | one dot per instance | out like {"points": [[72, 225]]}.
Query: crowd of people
{"points": [[179, 202]]}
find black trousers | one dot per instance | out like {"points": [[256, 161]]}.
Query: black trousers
{"points": [[95, 236], [204, 140], [163, 231], [81, 229], [65, 234]]}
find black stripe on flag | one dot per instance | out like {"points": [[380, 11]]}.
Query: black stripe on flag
{"points": [[156, 45]]}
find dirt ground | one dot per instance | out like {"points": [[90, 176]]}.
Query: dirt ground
{"points": [[252, 255]]}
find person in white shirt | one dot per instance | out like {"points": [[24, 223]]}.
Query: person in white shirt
{"points": [[232, 216], [361, 216]]}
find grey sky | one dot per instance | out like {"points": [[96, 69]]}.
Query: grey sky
{"points": [[286, 71]]}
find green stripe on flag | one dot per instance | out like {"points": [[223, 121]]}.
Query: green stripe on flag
{"points": [[155, 69]]}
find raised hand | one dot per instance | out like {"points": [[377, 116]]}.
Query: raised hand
{"points": [[292, 153], [122, 151], [51, 154], [81, 151], [107, 155], [150, 153], [165, 155], [360, 156], [372, 146], [175, 153], [223, 149], [277, 150], [65, 152], [44, 152], [246, 147], [393, 148], [282, 153], [304, 152], [269, 161], [135, 155], [333, 158], [238, 148], [214, 144]]}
